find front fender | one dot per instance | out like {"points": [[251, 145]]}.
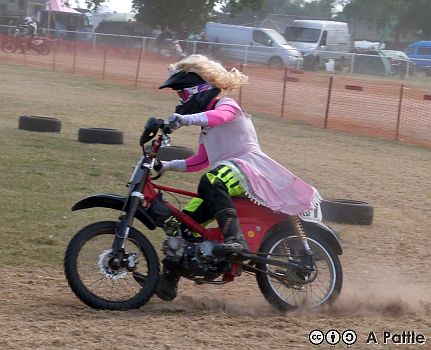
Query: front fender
{"points": [[113, 201]]}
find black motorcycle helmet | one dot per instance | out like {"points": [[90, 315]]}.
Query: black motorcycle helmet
{"points": [[199, 102]]}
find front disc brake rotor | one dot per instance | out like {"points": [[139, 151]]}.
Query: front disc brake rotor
{"points": [[106, 270]]}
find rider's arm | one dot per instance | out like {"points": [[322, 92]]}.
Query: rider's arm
{"points": [[194, 163], [197, 161], [223, 113]]}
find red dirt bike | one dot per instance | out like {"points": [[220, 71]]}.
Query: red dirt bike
{"points": [[18, 41], [111, 265]]}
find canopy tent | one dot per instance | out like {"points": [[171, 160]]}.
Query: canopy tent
{"points": [[56, 5]]}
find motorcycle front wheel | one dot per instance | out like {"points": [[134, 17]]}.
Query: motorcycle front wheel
{"points": [[9, 46], [89, 272], [322, 286]]}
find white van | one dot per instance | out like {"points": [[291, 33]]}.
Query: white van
{"points": [[318, 40], [252, 45]]}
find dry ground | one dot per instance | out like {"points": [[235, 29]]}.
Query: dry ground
{"points": [[386, 265]]}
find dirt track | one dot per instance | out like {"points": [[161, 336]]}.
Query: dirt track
{"points": [[386, 269], [39, 312]]}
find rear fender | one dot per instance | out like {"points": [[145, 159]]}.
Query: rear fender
{"points": [[116, 202], [318, 231]]}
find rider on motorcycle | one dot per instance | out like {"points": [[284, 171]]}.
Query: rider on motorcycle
{"points": [[228, 145], [30, 31]]}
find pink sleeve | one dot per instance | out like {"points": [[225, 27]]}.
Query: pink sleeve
{"points": [[224, 113], [197, 161]]}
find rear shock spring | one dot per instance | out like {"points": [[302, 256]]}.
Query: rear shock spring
{"points": [[300, 232]]}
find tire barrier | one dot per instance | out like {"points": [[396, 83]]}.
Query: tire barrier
{"points": [[173, 152], [100, 135], [347, 211], [40, 124]]}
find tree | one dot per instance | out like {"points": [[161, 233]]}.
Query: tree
{"points": [[189, 13], [93, 4], [411, 15], [324, 9], [178, 13]]}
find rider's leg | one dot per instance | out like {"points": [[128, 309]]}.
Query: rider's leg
{"points": [[167, 288], [216, 188]]}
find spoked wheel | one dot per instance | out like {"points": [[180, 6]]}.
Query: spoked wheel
{"points": [[286, 291], [96, 280], [9, 46]]}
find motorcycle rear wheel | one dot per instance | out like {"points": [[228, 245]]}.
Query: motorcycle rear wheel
{"points": [[9, 46], [95, 283], [43, 49], [324, 287]]}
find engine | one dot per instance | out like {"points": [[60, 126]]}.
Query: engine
{"points": [[196, 257]]}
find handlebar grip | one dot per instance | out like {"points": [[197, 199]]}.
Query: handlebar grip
{"points": [[167, 129]]}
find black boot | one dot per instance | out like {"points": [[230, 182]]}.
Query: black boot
{"points": [[167, 287], [228, 222]]}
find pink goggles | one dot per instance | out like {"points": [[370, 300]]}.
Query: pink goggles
{"points": [[186, 94]]}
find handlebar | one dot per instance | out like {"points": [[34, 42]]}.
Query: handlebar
{"points": [[167, 128], [152, 131]]}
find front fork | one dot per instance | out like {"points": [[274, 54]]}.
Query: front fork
{"points": [[131, 205]]}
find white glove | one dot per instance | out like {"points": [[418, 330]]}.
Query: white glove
{"points": [[176, 120], [173, 165]]}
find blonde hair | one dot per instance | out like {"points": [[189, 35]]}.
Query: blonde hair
{"points": [[212, 72]]}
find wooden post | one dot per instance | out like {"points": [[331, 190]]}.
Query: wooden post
{"points": [[54, 55], [105, 52], [241, 68], [400, 103], [138, 68], [74, 57], [283, 98], [328, 102]]}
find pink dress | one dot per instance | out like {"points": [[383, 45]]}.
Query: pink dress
{"points": [[234, 143]]}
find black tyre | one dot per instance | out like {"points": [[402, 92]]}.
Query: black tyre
{"points": [[43, 49], [347, 211], [9, 46], [324, 285], [40, 124], [86, 265], [276, 62], [100, 135], [173, 152]]}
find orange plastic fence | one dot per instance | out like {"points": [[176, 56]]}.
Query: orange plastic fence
{"points": [[360, 106]]}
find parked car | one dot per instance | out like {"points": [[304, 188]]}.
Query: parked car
{"points": [[252, 45], [400, 62], [420, 53]]}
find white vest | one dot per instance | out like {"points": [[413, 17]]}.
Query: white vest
{"points": [[232, 139]]}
